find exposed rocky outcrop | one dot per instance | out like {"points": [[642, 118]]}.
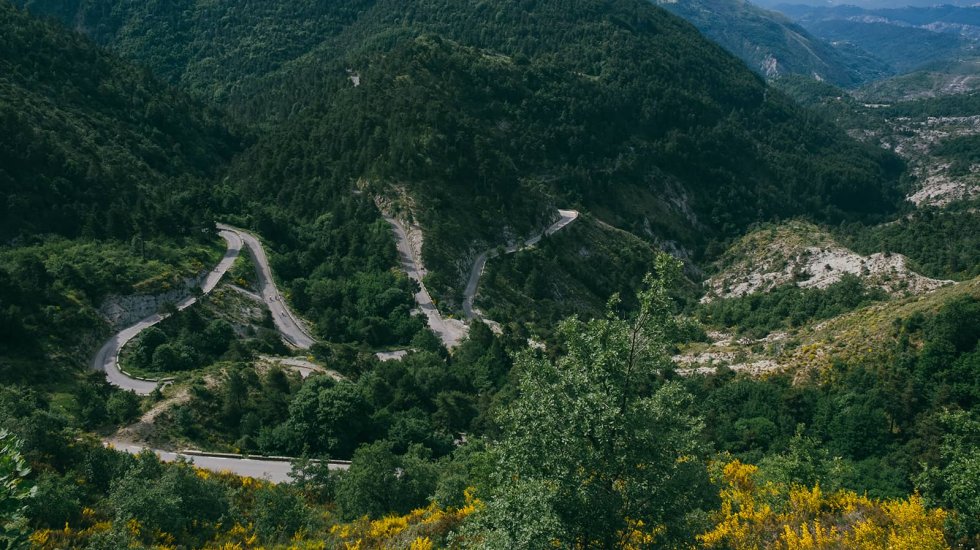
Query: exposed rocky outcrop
{"points": [[800, 253], [124, 310]]}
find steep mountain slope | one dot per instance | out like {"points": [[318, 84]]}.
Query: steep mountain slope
{"points": [[936, 136], [869, 4], [866, 335], [478, 119], [772, 44], [215, 50], [942, 18], [902, 48], [933, 80], [492, 116], [803, 255], [92, 145], [105, 179]]}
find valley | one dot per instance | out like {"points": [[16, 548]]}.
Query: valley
{"points": [[457, 274]]}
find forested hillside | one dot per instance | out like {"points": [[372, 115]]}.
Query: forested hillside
{"points": [[95, 146], [902, 37], [107, 178], [489, 116], [640, 79], [217, 51], [608, 408]]}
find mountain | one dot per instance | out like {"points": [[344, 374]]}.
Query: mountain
{"points": [[868, 4], [489, 130], [107, 184], [840, 392], [94, 145], [772, 44], [932, 80], [490, 117], [904, 38], [218, 52], [945, 18]]}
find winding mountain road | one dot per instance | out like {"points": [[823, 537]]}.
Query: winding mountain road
{"points": [[289, 325], [566, 217], [292, 330], [107, 358], [450, 331]]}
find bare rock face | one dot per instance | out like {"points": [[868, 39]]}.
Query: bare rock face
{"points": [[937, 185], [801, 254], [121, 311]]}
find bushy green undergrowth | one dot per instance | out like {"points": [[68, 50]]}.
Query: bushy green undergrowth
{"points": [[940, 242], [788, 306], [51, 289]]}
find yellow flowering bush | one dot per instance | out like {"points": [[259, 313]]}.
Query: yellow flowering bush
{"points": [[420, 529], [769, 515]]}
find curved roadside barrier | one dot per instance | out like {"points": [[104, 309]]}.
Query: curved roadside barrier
{"points": [[193, 452], [274, 469]]}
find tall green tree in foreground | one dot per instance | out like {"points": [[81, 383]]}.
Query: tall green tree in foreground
{"points": [[595, 451]]}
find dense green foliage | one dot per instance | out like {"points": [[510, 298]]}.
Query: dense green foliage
{"points": [[593, 445], [952, 105], [188, 340], [15, 492], [562, 437], [424, 399], [338, 268], [79, 481], [484, 112], [941, 242], [946, 77], [51, 288], [962, 152], [788, 306], [883, 420], [183, 41], [92, 146], [568, 273], [488, 115], [229, 413]]}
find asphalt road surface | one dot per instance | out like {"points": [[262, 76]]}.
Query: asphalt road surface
{"points": [[289, 326], [473, 285], [107, 358], [276, 471]]}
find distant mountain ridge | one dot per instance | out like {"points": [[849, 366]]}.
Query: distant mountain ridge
{"points": [[771, 44], [868, 4], [904, 38], [961, 20]]}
